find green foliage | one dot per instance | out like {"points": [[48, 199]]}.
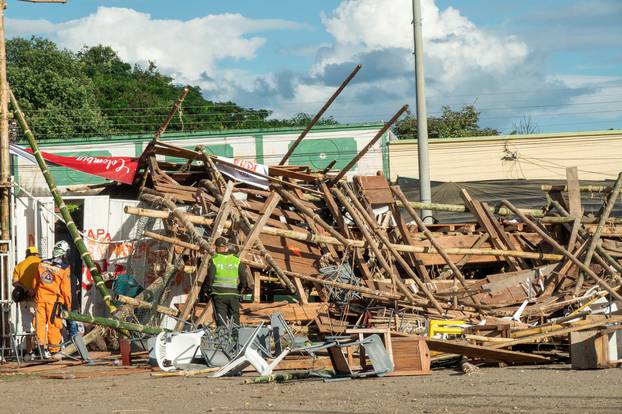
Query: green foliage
{"points": [[53, 90], [462, 123], [94, 93]]}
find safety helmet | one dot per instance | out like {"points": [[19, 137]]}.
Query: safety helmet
{"points": [[32, 250], [60, 249]]}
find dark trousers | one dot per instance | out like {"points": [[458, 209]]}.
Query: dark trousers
{"points": [[226, 307]]}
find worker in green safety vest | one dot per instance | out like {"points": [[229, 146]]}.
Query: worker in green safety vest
{"points": [[226, 280]]}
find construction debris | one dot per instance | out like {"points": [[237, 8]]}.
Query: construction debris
{"points": [[347, 276]]}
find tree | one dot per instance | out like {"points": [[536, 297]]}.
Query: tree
{"points": [[524, 126], [462, 123], [53, 90], [95, 93]]}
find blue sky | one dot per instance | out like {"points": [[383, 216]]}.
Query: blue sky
{"points": [[557, 62]]}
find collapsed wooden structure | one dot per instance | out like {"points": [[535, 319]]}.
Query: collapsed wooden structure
{"points": [[334, 256], [338, 257]]}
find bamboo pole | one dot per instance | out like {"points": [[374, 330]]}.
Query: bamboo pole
{"points": [[561, 249], [124, 311], [172, 240], [111, 323], [187, 373], [172, 112], [583, 188], [317, 116], [457, 273], [376, 249], [371, 143], [287, 376], [601, 255], [141, 304], [613, 196], [312, 215], [558, 332], [162, 129], [385, 241], [60, 203], [502, 211], [314, 238]]}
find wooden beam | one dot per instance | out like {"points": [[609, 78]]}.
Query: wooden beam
{"points": [[317, 116], [264, 215], [457, 273], [604, 216], [217, 228], [367, 147], [314, 238], [358, 219], [482, 352], [562, 250]]}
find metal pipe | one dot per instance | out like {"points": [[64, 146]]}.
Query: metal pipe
{"points": [[422, 116]]}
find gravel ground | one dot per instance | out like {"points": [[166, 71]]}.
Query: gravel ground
{"points": [[540, 389]]}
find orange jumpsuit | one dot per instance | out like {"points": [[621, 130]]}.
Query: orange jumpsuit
{"points": [[53, 284]]}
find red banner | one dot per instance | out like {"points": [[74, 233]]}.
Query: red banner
{"points": [[121, 169]]}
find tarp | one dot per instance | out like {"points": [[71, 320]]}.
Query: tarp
{"points": [[521, 193], [121, 169]]}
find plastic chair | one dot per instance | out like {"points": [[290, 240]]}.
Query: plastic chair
{"points": [[250, 356]]}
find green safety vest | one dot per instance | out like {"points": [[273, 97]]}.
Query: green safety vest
{"points": [[226, 277]]}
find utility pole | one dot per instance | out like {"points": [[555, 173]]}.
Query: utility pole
{"points": [[425, 191], [5, 158], [5, 168]]}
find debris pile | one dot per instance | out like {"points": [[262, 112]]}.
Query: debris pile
{"points": [[332, 258], [346, 276]]}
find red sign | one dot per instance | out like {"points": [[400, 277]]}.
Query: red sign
{"points": [[121, 169]]}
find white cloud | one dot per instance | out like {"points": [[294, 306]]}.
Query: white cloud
{"points": [[187, 50], [464, 62], [453, 43]]}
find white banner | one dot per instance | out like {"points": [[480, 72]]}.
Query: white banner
{"points": [[227, 167], [22, 153]]}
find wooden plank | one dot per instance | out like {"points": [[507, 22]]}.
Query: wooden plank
{"points": [[411, 356], [485, 353], [288, 173], [447, 271], [559, 332], [485, 221], [257, 287], [503, 281], [217, 228], [589, 349], [252, 237], [406, 236]]}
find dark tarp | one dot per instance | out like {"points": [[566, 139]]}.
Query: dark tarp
{"points": [[521, 193]]}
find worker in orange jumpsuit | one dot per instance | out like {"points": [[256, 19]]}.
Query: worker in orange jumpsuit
{"points": [[53, 285], [24, 277]]}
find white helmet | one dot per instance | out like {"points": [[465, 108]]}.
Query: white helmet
{"points": [[60, 249]]}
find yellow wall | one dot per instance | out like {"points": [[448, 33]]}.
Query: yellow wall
{"points": [[598, 155]]}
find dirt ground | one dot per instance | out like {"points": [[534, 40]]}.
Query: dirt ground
{"points": [[552, 388]]}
